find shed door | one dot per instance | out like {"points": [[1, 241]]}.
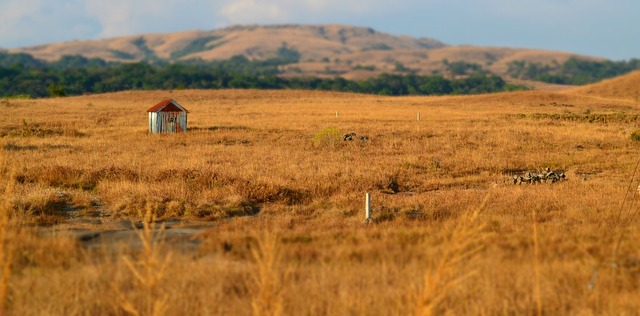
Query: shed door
{"points": [[170, 122]]}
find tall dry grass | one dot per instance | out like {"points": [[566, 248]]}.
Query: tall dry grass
{"points": [[456, 263], [250, 164], [536, 263], [268, 276], [7, 183], [148, 270]]}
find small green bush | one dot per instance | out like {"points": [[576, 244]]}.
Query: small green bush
{"points": [[635, 136], [328, 136], [365, 67]]}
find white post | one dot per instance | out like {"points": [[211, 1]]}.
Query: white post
{"points": [[418, 116], [367, 208], [336, 113]]}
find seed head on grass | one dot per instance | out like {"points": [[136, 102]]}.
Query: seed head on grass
{"points": [[148, 270], [267, 276], [454, 266]]}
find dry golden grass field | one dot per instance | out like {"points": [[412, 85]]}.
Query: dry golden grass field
{"points": [[277, 200]]}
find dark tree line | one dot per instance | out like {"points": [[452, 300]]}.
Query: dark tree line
{"points": [[574, 71], [23, 75]]}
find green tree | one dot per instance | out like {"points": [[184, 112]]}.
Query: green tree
{"points": [[56, 90]]}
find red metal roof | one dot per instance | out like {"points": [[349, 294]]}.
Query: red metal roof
{"points": [[167, 105]]}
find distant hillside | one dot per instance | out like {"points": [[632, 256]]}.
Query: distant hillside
{"points": [[623, 87], [255, 42], [322, 50]]}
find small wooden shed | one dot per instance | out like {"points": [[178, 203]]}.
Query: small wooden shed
{"points": [[167, 117]]}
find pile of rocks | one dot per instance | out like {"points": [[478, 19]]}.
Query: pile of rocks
{"points": [[546, 175], [352, 136]]}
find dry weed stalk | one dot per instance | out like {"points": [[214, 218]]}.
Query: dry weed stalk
{"points": [[536, 263], [460, 251], [148, 270], [6, 249], [620, 223], [267, 276]]}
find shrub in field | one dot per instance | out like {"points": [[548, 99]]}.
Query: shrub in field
{"points": [[328, 136], [635, 136]]}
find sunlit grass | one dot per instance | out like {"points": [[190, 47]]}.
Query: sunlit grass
{"points": [[253, 162]]}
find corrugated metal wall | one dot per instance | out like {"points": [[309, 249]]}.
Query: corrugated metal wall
{"points": [[167, 122]]}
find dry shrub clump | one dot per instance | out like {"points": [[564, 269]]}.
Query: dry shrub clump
{"points": [[80, 169]]}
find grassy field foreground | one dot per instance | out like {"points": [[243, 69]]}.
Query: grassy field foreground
{"points": [[284, 196]]}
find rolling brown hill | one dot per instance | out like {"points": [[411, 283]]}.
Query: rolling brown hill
{"points": [[625, 87], [255, 42], [325, 50]]}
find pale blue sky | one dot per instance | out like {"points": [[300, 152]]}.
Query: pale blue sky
{"points": [[605, 28]]}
